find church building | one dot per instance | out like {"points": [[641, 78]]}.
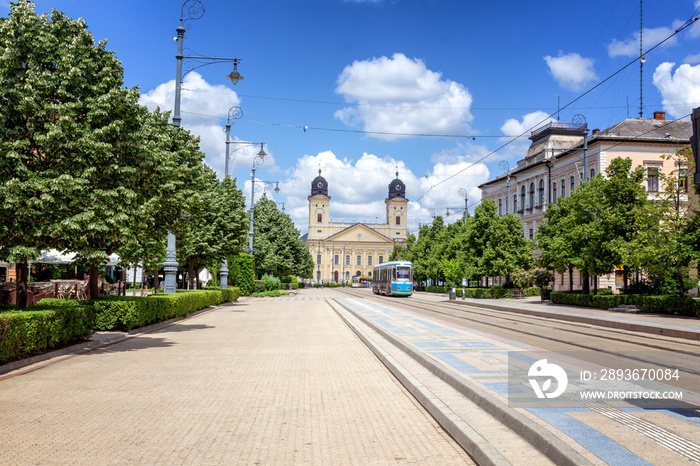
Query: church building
{"points": [[342, 250]]}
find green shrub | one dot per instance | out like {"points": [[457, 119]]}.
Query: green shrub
{"points": [[39, 328], [125, 313], [271, 283], [271, 293], [241, 273], [646, 303]]}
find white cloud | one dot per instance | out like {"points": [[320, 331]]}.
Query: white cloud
{"points": [[358, 188], [200, 102], [571, 71], [400, 95], [530, 122], [680, 90], [630, 47]]}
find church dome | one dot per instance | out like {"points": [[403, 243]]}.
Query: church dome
{"points": [[319, 185], [397, 188]]}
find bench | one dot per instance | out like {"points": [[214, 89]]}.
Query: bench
{"points": [[518, 293]]}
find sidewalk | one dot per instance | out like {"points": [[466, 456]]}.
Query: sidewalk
{"points": [[262, 381], [658, 324]]}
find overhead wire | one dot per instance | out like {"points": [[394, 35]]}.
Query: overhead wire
{"points": [[687, 24]]}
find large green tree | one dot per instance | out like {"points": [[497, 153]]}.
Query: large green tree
{"points": [[73, 170], [279, 248]]}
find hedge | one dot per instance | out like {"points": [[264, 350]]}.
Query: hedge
{"points": [[57, 322], [128, 312], [494, 292], [685, 306], [43, 327]]}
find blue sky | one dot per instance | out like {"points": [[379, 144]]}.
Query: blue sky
{"points": [[379, 83]]}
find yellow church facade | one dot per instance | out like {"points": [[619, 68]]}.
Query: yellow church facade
{"points": [[342, 250]]}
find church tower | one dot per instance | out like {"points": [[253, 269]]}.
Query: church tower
{"points": [[319, 204], [397, 210]]}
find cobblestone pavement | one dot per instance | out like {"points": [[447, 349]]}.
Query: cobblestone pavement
{"points": [[262, 381]]}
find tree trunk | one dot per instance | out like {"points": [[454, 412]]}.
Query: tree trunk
{"points": [[571, 279], [625, 278], [681, 285], [595, 284], [134, 288], [196, 274], [93, 292], [21, 290], [190, 272]]}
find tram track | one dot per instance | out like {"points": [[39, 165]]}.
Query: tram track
{"points": [[602, 344]]}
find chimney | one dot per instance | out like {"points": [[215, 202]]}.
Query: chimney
{"points": [[595, 131], [659, 115]]}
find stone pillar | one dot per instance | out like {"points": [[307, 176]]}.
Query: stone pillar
{"points": [[170, 266], [224, 274]]}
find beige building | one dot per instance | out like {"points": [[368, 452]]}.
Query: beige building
{"points": [[555, 165], [342, 250]]}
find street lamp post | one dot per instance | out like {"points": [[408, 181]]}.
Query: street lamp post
{"points": [[259, 159], [190, 10], [503, 165], [234, 113]]}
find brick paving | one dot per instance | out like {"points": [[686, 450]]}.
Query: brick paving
{"points": [[263, 381]]}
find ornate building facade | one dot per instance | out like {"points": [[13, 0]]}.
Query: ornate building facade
{"points": [[562, 155], [342, 250]]}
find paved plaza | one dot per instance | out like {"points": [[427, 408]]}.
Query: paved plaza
{"points": [[262, 381]]}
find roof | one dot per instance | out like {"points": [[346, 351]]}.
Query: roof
{"points": [[629, 130]]}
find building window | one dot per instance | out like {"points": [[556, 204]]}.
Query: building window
{"points": [[347, 260], [515, 203], [398, 220], [554, 192], [532, 233], [359, 260], [381, 259], [336, 259], [541, 197], [369, 260], [573, 185], [532, 195], [522, 197], [653, 179], [563, 188], [592, 173], [319, 218], [500, 208]]}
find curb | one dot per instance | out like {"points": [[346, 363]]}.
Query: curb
{"points": [[547, 443], [640, 328]]}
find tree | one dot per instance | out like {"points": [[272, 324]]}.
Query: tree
{"points": [[74, 170], [670, 249], [279, 248], [601, 225]]}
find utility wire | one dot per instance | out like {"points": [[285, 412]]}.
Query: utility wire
{"points": [[687, 24]]}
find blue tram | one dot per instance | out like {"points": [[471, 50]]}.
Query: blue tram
{"points": [[393, 278]]}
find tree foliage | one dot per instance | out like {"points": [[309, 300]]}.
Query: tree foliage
{"points": [[279, 248]]}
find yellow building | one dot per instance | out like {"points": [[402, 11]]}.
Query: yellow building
{"points": [[341, 250]]}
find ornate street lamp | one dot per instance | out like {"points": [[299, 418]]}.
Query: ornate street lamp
{"points": [[259, 159], [191, 10]]}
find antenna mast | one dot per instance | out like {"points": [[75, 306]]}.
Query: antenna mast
{"points": [[641, 61]]}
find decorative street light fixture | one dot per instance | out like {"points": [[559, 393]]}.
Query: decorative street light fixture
{"points": [[259, 159], [503, 165], [191, 10]]}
